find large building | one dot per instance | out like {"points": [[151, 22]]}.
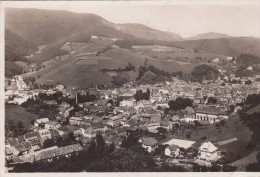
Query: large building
{"points": [[210, 114]]}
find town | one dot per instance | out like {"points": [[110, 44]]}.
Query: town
{"points": [[142, 87], [186, 124]]}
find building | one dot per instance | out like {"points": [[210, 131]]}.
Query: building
{"points": [[130, 103], [116, 120], [76, 120], [41, 122], [172, 151], [180, 143], [208, 152], [52, 125], [149, 143], [44, 134], [210, 114]]}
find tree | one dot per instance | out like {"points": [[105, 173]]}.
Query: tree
{"points": [[48, 143], [180, 103], [212, 100], [140, 95]]}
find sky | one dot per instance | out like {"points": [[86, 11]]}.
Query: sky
{"points": [[187, 18]]}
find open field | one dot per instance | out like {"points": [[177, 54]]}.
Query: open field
{"points": [[16, 113]]}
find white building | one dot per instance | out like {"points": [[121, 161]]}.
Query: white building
{"points": [[172, 151], [208, 152], [210, 114]]}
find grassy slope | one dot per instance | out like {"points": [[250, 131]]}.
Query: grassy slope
{"points": [[71, 73]]}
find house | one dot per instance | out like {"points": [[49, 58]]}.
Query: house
{"points": [[28, 137], [165, 124], [172, 151], [143, 104], [130, 103], [76, 120], [19, 100], [41, 122], [37, 91], [149, 143], [116, 120], [50, 92], [210, 114], [208, 152], [22, 148], [52, 125], [150, 115], [44, 134], [60, 87]]}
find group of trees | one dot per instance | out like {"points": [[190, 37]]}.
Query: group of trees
{"points": [[37, 106], [212, 100], [140, 95], [158, 72], [251, 119], [12, 69], [204, 72], [129, 67], [129, 141], [17, 128], [86, 98], [180, 103]]}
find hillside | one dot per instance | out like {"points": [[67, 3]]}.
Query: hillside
{"points": [[16, 46], [45, 26], [145, 32], [210, 35], [232, 46]]}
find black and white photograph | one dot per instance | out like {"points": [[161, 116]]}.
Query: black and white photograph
{"points": [[133, 86]]}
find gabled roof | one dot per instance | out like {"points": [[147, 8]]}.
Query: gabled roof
{"points": [[211, 110], [31, 135], [149, 141], [58, 152], [208, 146]]}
